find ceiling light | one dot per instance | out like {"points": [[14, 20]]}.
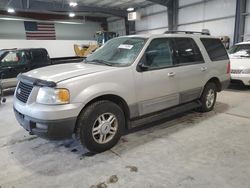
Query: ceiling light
{"points": [[130, 9], [72, 14], [73, 4], [11, 10]]}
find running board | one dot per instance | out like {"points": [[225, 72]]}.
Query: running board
{"points": [[164, 114]]}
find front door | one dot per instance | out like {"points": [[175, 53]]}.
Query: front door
{"points": [[156, 86]]}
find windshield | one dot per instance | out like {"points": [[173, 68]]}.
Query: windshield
{"points": [[241, 50], [1, 53], [118, 52]]}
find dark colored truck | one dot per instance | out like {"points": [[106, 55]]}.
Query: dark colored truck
{"points": [[15, 61]]}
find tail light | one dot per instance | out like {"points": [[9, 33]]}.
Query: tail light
{"points": [[228, 68]]}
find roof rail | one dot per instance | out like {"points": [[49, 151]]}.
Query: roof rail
{"points": [[188, 32]]}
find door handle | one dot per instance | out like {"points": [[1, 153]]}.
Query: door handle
{"points": [[171, 74], [203, 68]]}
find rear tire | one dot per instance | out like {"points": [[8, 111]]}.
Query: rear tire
{"points": [[100, 126], [208, 97]]}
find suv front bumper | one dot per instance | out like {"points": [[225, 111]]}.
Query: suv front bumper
{"points": [[49, 129]]}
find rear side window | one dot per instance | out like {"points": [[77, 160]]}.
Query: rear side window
{"points": [[39, 56], [186, 51], [215, 49]]}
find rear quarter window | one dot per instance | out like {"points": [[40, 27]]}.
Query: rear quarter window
{"points": [[40, 56], [215, 49]]}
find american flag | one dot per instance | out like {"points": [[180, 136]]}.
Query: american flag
{"points": [[39, 31]]}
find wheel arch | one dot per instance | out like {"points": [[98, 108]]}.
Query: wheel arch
{"points": [[217, 82], [113, 98]]}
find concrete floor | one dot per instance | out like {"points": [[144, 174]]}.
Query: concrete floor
{"points": [[192, 151]]}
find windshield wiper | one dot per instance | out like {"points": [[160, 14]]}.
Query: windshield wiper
{"points": [[99, 61]]}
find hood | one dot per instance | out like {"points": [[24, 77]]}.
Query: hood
{"points": [[240, 63], [61, 72]]}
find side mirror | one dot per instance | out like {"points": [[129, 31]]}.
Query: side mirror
{"points": [[143, 67]]}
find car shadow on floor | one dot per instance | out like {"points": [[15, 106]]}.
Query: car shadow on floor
{"points": [[47, 157], [165, 127], [237, 87]]}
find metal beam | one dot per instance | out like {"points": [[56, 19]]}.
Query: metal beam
{"points": [[41, 6], [173, 8], [239, 21]]}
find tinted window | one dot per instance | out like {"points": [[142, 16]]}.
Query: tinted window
{"points": [[40, 56], [186, 51], [215, 49], [158, 54]]}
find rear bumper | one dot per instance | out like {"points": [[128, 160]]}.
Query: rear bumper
{"points": [[49, 129]]}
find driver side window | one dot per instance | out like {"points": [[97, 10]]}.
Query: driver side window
{"points": [[13, 58], [158, 54], [10, 59]]}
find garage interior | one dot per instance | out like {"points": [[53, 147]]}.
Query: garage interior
{"points": [[190, 150]]}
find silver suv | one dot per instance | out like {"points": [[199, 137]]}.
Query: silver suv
{"points": [[128, 82]]}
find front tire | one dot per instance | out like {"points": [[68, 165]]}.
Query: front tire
{"points": [[100, 126], [208, 97]]}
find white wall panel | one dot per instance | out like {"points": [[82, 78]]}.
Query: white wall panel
{"points": [[117, 25], [12, 30], [209, 10], [191, 27], [15, 30], [217, 28], [247, 22], [248, 6], [223, 27], [247, 29], [191, 14], [187, 2], [154, 20], [84, 31], [154, 31], [216, 15], [219, 8]]}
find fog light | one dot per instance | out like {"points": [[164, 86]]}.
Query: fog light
{"points": [[41, 126]]}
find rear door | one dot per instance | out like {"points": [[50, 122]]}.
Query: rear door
{"points": [[156, 86], [191, 68], [219, 63]]}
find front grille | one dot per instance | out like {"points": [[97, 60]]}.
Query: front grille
{"points": [[23, 91], [236, 71]]}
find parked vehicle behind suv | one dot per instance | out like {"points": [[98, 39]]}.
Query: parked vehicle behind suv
{"points": [[128, 82], [15, 61], [240, 63]]}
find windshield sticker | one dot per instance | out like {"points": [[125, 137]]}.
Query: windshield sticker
{"points": [[126, 46]]}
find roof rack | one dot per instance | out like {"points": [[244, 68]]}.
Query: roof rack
{"points": [[188, 32]]}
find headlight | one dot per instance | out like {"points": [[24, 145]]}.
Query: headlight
{"points": [[48, 95], [246, 71]]}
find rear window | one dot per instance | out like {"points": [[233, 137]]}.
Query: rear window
{"points": [[215, 49]]}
